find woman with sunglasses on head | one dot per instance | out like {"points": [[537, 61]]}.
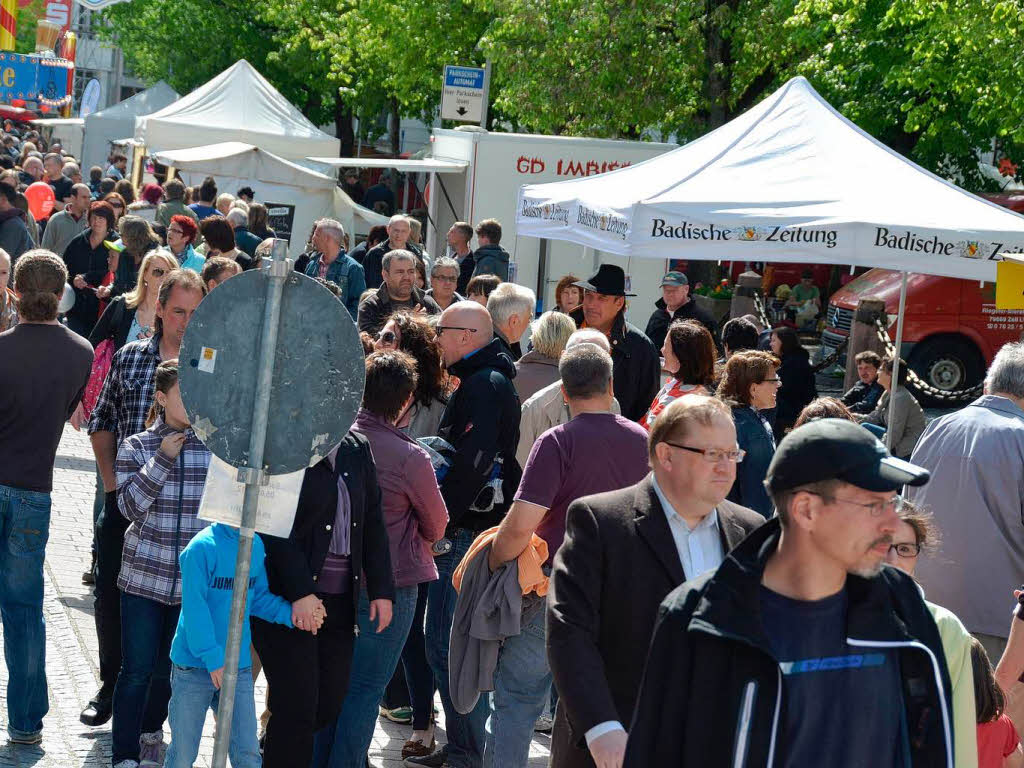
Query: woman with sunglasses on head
{"points": [[914, 536], [750, 386], [132, 315]]}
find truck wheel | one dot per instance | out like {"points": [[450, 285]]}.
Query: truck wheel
{"points": [[948, 363]]}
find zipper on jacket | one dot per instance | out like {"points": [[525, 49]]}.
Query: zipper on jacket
{"points": [[938, 681], [778, 686], [177, 524], [742, 743]]}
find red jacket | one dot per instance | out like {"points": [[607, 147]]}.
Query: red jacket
{"points": [[414, 512]]}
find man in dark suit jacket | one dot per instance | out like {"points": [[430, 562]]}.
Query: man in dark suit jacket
{"points": [[623, 552]]}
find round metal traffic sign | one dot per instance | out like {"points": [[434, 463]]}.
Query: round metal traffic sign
{"points": [[318, 371]]}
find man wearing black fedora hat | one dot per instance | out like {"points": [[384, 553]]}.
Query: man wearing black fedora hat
{"points": [[803, 647], [636, 364]]}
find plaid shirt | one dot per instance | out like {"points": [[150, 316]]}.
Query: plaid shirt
{"points": [[160, 496], [128, 390]]}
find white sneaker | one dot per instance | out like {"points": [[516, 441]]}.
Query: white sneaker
{"points": [[126, 764]]}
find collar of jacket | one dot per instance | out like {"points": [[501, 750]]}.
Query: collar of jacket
{"points": [[488, 356], [618, 332], [384, 296], [999, 403], [11, 213], [367, 421], [728, 607], [535, 357], [161, 429]]}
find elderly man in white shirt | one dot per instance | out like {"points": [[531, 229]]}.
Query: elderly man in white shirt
{"points": [[976, 457]]}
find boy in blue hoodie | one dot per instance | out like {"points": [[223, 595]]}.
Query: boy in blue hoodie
{"points": [[197, 651]]}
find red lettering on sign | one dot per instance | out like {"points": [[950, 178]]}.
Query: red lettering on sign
{"points": [[529, 164], [59, 12]]}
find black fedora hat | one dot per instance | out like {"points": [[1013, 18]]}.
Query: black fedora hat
{"points": [[609, 280]]}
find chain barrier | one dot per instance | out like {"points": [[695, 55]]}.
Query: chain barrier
{"points": [[916, 381], [759, 305], [832, 358]]}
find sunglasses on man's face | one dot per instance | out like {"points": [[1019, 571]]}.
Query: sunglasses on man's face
{"points": [[387, 337]]}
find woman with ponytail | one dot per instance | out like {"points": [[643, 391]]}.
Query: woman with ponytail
{"points": [[160, 477]]}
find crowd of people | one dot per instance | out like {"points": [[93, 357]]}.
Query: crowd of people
{"points": [[662, 539]]}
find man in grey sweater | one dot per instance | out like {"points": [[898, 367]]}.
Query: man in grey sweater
{"points": [[65, 224]]}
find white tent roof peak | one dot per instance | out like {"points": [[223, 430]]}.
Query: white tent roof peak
{"points": [[789, 180], [238, 104]]}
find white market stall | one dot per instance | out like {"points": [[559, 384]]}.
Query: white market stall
{"points": [[69, 131], [790, 180], [109, 125], [237, 105], [288, 190]]}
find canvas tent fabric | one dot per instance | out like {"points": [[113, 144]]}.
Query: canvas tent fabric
{"points": [[275, 180], [118, 121], [237, 105], [790, 180]]}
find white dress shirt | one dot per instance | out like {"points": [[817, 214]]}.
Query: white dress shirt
{"points": [[700, 550]]}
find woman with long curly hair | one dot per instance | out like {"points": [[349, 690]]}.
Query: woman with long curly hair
{"points": [[413, 334]]}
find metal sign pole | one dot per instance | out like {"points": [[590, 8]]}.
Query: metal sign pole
{"points": [[487, 94], [896, 361], [253, 476]]}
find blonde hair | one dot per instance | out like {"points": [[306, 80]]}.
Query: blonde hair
{"points": [[134, 298]]}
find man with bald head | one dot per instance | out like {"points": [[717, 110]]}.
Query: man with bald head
{"points": [[481, 421]]}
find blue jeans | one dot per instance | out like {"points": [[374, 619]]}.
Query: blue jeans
{"points": [[522, 681], [24, 528], [144, 683], [192, 694], [344, 743], [465, 732]]}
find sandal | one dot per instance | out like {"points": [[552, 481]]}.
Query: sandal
{"points": [[418, 749]]}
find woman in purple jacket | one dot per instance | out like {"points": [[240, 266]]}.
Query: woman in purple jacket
{"points": [[415, 516]]}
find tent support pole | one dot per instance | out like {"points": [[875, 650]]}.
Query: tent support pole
{"points": [[896, 360], [542, 274]]}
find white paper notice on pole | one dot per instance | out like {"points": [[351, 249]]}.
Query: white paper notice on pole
{"points": [[462, 95], [223, 496]]}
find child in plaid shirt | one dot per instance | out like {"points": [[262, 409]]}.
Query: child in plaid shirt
{"points": [[160, 477]]}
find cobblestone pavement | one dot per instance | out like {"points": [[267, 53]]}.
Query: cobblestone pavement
{"points": [[71, 662]]}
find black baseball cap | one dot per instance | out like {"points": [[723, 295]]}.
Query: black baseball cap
{"points": [[837, 449]]}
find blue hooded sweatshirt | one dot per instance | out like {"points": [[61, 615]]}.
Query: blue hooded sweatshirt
{"points": [[207, 579]]}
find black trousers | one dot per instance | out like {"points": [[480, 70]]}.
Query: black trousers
{"points": [[107, 598], [307, 677]]}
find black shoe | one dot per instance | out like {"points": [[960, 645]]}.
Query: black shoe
{"points": [[437, 760], [89, 578], [97, 712]]}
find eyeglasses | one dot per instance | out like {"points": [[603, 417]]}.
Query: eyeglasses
{"points": [[387, 337], [174, 232], [906, 550], [776, 380], [157, 272], [442, 328], [713, 455], [444, 278], [876, 508]]}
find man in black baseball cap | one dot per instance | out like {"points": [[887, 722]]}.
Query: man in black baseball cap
{"points": [[802, 648]]}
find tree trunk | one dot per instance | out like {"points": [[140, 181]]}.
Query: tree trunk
{"points": [[719, 63], [396, 145], [343, 127]]}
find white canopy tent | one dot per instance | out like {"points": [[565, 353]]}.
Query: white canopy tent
{"points": [[276, 180], [117, 121], [237, 105], [790, 180]]}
